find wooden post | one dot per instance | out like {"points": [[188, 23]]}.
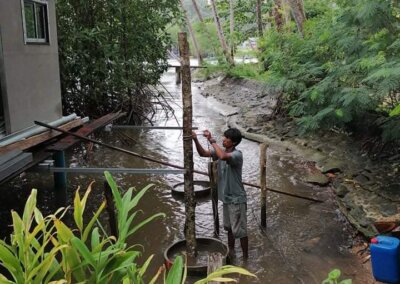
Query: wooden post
{"points": [[177, 75], [111, 209], [60, 179], [263, 183], [190, 202], [212, 173]]}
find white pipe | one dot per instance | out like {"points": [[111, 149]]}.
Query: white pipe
{"points": [[34, 130]]}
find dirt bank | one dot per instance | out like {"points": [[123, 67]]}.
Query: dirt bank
{"points": [[367, 190]]}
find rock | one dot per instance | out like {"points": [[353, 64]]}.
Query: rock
{"points": [[361, 179], [332, 166], [359, 215], [388, 209], [253, 129], [391, 191], [317, 178], [342, 190]]}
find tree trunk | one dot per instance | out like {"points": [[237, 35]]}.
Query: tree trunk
{"points": [[192, 34], [259, 18], [298, 14], [196, 8], [277, 13], [221, 37], [232, 26], [190, 203]]}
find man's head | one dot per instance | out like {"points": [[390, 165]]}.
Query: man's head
{"points": [[235, 137]]}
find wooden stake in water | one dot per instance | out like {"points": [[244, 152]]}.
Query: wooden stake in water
{"points": [[263, 183], [190, 202]]}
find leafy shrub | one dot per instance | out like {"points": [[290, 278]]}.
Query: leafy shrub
{"points": [[347, 65], [46, 250]]}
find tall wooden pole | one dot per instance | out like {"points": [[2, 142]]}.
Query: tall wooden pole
{"points": [[259, 18], [221, 36], [232, 26], [263, 183], [190, 202], [192, 34]]}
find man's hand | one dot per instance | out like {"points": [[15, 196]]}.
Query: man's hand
{"points": [[194, 135], [207, 134]]}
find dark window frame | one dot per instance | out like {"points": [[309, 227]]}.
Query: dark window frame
{"points": [[40, 25]]}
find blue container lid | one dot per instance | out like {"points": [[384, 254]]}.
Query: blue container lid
{"points": [[385, 242]]}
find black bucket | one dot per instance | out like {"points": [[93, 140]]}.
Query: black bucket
{"points": [[205, 246], [201, 189]]}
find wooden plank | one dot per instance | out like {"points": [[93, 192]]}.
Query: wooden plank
{"points": [[15, 164], [8, 156], [37, 158], [39, 138], [87, 129]]}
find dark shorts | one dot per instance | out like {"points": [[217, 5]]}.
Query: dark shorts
{"points": [[235, 218]]}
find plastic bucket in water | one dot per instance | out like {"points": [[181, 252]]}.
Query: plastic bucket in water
{"points": [[385, 259]]}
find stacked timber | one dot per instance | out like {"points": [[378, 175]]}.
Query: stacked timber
{"points": [[12, 162], [28, 141]]}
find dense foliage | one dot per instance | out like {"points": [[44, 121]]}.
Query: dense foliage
{"points": [[345, 72], [110, 50]]}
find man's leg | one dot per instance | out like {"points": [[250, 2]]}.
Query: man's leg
{"points": [[231, 240], [244, 242]]}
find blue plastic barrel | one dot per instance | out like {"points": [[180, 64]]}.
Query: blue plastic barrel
{"points": [[385, 259]]}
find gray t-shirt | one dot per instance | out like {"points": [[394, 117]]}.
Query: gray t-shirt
{"points": [[230, 186]]}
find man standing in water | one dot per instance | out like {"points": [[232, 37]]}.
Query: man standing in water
{"points": [[230, 188]]}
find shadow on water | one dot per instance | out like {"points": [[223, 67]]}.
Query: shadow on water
{"points": [[302, 242]]}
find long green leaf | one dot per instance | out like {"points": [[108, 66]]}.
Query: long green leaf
{"points": [[144, 267], [78, 211], [121, 262], [141, 224], [10, 262], [84, 251], [114, 189], [94, 219], [175, 273], [139, 195], [30, 206], [4, 280]]}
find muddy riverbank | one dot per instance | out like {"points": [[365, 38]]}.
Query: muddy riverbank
{"points": [[366, 190]]}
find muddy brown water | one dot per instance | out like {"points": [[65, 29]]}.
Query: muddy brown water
{"points": [[302, 242]]}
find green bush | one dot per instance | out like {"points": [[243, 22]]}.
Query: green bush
{"points": [[346, 67]]}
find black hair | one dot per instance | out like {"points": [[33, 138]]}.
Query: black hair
{"points": [[233, 134]]}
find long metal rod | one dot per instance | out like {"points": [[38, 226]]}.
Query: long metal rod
{"points": [[164, 163], [150, 127], [114, 170]]}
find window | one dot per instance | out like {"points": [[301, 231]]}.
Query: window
{"points": [[35, 18]]}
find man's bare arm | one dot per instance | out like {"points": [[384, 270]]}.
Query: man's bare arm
{"points": [[202, 152]]}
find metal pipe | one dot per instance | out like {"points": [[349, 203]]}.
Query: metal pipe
{"points": [[150, 127], [34, 130], [113, 170], [164, 163]]}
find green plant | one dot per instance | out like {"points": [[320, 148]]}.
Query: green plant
{"points": [[344, 69], [28, 258], [87, 254], [102, 258], [46, 250], [333, 278]]}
